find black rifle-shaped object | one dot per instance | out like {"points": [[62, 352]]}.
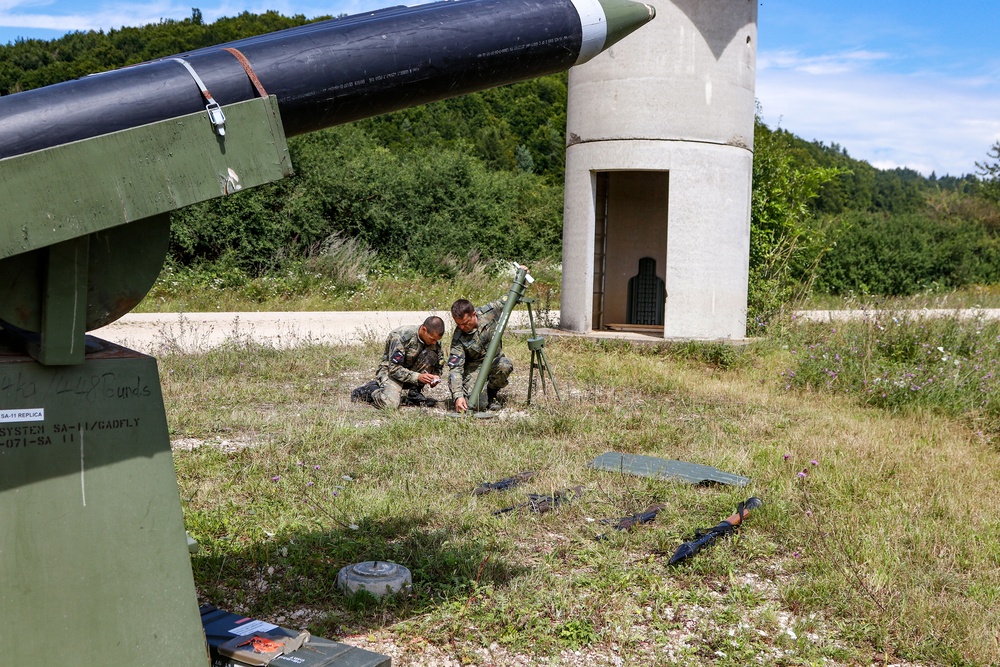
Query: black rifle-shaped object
{"points": [[542, 503], [628, 522], [702, 538], [504, 484]]}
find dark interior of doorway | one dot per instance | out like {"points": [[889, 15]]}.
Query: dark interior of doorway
{"points": [[630, 250]]}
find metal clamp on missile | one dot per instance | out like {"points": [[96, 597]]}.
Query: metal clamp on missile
{"points": [[215, 114]]}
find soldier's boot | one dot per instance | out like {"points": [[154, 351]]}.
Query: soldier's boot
{"points": [[491, 399], [363, 394], [416, 397]]}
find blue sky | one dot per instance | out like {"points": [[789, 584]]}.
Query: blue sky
{"points": [[911, 84]]}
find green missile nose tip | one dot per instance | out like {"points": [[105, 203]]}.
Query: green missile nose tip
{"points": [[624, 18]]}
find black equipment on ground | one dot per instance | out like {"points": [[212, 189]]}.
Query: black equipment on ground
{"points": [[542, 503], [504, 484], [703, 538], [363, 394], [415, 397], [629, 522]]}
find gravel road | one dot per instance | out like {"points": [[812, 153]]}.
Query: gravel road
{"points": [[154, 333]]}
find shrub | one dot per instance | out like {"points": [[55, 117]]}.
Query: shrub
{"points": [[897, 362], [905, 254], [343, 261]]}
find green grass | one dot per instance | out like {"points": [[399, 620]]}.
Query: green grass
{"points": [[885, 549], [974, 296], [310, 287]]}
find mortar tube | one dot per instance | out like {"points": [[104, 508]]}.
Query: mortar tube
{"points": [[515, 293]]}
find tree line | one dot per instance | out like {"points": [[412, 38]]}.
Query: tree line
{"points": [[482, 175]]}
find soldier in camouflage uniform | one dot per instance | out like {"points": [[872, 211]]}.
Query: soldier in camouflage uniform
{"points": [[411, 360], [469, 343]]}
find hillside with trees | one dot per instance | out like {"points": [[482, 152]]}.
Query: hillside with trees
{"points": [[426, 190]]}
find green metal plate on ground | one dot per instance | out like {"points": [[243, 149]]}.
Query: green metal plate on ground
{"points": [[651, 466]]}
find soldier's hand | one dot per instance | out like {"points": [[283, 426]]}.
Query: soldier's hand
{"points": [[428, 378], [461, 405]]}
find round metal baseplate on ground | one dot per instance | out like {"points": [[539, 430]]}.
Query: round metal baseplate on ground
{"points": [[475, 415], [378, 577]]}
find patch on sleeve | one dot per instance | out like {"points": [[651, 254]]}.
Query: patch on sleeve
{"points": [[397, 357], [453, 360]]}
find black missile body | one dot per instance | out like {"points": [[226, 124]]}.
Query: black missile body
{"points": [[334, 71]]}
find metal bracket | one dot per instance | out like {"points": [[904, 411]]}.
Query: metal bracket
{"points": [[215, 114]]}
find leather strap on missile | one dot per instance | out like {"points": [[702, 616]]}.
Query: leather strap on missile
{"points": [[249, 70]]}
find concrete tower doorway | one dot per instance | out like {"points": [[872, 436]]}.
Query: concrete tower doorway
{"points": [[630, 250], [672, 105]]}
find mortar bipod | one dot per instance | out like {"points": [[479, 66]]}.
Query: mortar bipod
{"points": [[536, 344]]}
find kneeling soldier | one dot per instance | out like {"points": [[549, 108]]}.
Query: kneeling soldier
{"points": [[475, 329], [411, 360]]}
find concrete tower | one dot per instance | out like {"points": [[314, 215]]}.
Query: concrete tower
{"points": [[656, 230]]}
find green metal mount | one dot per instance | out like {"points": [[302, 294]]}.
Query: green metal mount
{"points": [[95, 553], [85, 226], [94, 563]]}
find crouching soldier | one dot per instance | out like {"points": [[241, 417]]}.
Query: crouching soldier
{"points": [[475, 329], [411, 360]]}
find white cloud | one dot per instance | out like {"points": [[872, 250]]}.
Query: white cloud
{"points": [[922, 121], [835, 63]]}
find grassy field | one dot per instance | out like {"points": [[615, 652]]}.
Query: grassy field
{"points": [[877, 543], [302, 290], [975, 296]]}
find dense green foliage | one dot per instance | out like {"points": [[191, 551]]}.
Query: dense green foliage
{"points": [[426, 190], [423, 209], [784, 245], [899, 255], [866, 231]]}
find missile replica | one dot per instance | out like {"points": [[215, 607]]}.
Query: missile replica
{"points": [[331, 72], [86, 156]]}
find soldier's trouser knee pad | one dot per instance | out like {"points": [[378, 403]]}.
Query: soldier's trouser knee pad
{"points": [[499, 372], [388, 395]]}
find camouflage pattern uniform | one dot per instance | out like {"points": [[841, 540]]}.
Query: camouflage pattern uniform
{"points": [[468, 351], [404, 359]]}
